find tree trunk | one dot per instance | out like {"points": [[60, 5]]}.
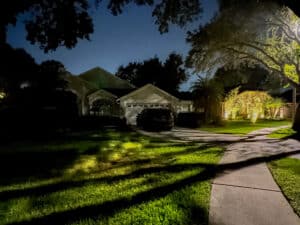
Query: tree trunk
{"points": [[296, 119], [294, 102], [296, 123]]}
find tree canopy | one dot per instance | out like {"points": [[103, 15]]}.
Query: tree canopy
{"points": [[167, 76], [267, 35], [55, 23], [247, 78]]}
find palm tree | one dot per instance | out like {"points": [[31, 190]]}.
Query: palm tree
{"points": [[208, 96]]}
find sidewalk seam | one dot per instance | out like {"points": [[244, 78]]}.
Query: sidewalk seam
{"points": [[239, 186]]}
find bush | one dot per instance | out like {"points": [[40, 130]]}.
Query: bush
{"points": [[190, 119], [155, 119]]}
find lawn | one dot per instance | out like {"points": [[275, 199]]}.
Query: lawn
{"points": [[282, 133], [286, 173], [106, 178], [242, 127]]}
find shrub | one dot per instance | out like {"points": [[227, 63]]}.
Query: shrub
{"points": [[190, 119], [155, 119]]}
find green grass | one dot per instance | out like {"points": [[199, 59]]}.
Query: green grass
{"points": [[282, 133], [106, 178], [287, 174], [242, 127]]}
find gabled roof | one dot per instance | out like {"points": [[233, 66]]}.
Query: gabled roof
{"points": [[79, 85], [104, 93], [152, 88], [104, 80]]}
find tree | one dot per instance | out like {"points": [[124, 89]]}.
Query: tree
{"points": [[56, 23], [251, 105], [247, 78], [247, 34], [45, 26], [167, 76], [267, 35], [208, 95], [50, 76], [17, 68]]}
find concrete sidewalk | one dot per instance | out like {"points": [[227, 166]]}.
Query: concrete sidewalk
{"points": [[249, 195]]}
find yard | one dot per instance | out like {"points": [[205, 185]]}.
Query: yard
{"points": [[286, 173], [106, 178], [242, 127]]}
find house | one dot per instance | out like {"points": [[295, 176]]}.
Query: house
{"points": [[150, 96], [102, 93]]}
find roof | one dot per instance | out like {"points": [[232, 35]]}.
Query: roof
{"points": [[149, 87], [102, 92], [104, 80], [79, 85]]}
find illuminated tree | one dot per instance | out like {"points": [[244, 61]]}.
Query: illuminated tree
{"points": [[251, 105], [268, 35]]}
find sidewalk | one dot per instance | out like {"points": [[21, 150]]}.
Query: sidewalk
{"points": [[249, 195]]}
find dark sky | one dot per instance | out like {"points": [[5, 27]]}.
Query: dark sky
{"points": [[117, 40]]}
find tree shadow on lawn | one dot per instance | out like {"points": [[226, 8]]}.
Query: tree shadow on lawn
{"points": [[161, 162], [42, 160], [109, 208], [18, 167]]}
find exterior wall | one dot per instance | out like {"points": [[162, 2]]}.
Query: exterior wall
{"points": [[286, 112], [184, 106], [135, 104]]}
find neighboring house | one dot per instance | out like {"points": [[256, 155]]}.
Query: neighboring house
{"points": [[102, 93], [150, 96]]}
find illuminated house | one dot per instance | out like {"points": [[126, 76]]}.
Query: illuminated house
{"points": [[150, 96], [101, 93]]}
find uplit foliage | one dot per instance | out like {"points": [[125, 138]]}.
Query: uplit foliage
{"points": [[272, 106], [229, 104], [2, 95], [251, 105], [250, 33]]}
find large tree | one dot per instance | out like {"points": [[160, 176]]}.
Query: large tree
{"points": [[56, 23], [265, 35], [167, 76], [247, 78], [268, 35]]}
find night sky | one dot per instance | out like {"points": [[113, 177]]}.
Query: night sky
{"points": [[117, 40]]}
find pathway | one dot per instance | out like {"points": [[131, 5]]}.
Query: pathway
{"points": [[249, 195], [246, 195]]}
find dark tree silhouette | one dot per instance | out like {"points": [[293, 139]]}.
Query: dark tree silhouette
{"points": [[167, 76], [50, 76], [62, 22], [247, 78], [17, 68], [55, 23]]}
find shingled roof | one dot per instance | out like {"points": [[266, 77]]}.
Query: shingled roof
{"points": [[105, 80]]}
